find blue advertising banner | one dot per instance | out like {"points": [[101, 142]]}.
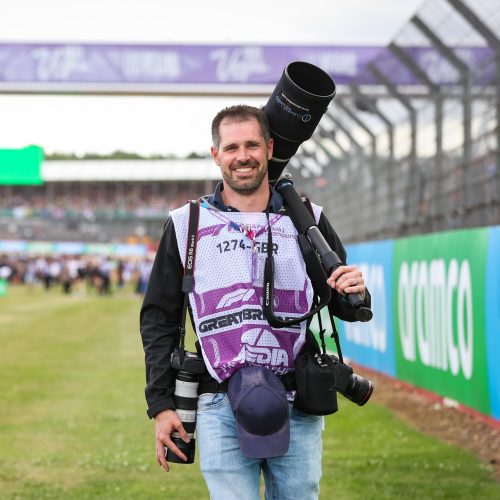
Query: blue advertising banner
{"points": [[72, 248], [69, 248], [493, 319], [13, 246], [372, 344]]}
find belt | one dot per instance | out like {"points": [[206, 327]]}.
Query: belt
{"points": [[211, 385]]}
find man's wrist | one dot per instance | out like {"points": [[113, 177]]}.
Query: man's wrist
{"points": [[162, 414], [165, 404]]}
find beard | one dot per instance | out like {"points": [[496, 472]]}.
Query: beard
{"points": [[245, 187]]}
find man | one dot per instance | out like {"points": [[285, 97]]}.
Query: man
{"points": [[231, 248]]}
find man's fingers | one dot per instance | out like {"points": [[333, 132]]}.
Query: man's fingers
{"points": [[166, 441], [160, 456], [182, 432], [351, 285], [341, 270], [166, 423], [347, 279], [354, 283]]}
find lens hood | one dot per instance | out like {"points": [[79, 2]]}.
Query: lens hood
{"points": [[294, 109]]}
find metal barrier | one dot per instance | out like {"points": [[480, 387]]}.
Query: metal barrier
{"points": [[417, 151]]}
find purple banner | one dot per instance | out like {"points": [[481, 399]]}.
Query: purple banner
{"points": [[479, 60], [48, 65]]}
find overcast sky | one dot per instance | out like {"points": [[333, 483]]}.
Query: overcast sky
{"points": [[138, 124]]}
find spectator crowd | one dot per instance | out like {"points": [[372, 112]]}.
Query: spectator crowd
{"points": [[76, 274], [94, 202]]}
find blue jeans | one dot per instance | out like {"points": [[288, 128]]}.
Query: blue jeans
{"points": [[230, 475]]}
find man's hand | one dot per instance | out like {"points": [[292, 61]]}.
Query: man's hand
{"points": [[348, 279], [167, 422]]}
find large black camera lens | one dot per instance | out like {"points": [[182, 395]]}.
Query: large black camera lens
{"points": [[186, 402], [358, 390], [294, 109], [354, 387]]}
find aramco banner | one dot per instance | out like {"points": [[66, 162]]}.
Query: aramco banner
{"points": [[436, 314]]}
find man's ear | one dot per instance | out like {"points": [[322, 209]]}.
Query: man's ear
{"points": [[215, 155], [270, 147]]}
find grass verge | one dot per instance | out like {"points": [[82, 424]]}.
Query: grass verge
{"points": [[73, 422]]}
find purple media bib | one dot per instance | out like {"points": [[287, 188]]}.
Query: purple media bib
{"points": [[228, 291]]}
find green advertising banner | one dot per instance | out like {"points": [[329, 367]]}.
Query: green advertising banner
{"points": [[439, 314], [3, 287], [21, 166], [40, 247], [100, 248]]}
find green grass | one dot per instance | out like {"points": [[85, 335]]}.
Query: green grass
{"points": [[73, 422]]}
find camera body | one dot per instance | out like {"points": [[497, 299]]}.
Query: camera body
{"points": [[189, 366], [187, 361]]}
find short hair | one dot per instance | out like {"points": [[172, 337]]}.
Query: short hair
{"points": [[240, 113]]}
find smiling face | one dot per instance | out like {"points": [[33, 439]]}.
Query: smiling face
{"points": [[242, 156]]}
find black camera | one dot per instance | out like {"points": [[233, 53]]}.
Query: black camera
{"points": [[294, 109], [354, 387], [187, 361], [189, 367]]}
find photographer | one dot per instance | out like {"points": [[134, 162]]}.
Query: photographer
{"points": [[242, 429]]}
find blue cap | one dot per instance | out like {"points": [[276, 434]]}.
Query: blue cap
{"points": [[260, 406]]}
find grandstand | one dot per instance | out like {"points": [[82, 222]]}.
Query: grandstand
{"points": [[102, 201]]}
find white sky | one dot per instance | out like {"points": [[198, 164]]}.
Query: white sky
{"points": [[177, 125]]}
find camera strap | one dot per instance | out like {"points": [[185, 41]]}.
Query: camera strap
{"points": [[321, 333], [315, 271], [334, 335], [188, 278]]}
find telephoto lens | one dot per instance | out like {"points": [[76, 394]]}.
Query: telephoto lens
{"points": [[352, 386], [294, 109], [186, 402]]}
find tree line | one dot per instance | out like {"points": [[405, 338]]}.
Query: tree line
{"points": [[120, 155]]}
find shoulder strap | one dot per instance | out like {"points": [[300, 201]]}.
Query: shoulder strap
{"points": [[189, 261], [194, 217]]}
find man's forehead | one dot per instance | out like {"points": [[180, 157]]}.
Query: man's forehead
{"points": [[229, 129], [231, 120]]}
